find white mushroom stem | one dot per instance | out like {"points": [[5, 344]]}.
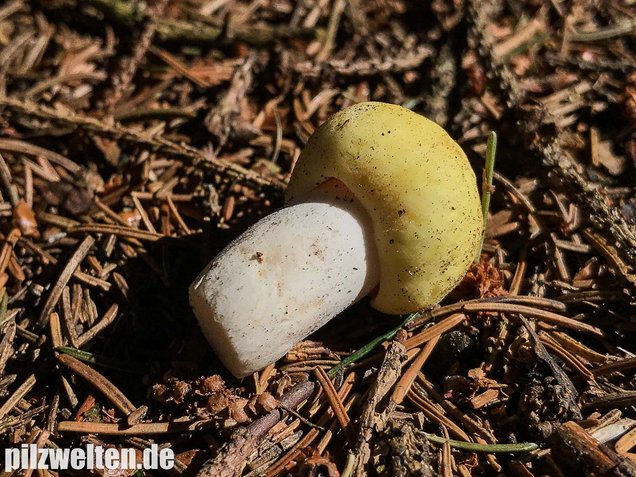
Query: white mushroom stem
{"points": [[285, 277]]}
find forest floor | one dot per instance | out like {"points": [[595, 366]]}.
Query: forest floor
{"points": [[138, 138]]}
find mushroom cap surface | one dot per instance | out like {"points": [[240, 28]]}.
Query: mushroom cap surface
{"points": [[417, 186]]}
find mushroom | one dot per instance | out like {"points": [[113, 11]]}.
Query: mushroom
{"points": [[382, 201]]}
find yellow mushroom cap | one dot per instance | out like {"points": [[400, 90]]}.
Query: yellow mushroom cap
{"points": [[418, 188]]}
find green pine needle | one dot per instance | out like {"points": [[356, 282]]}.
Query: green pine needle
{"points": [[488, 448], [486, 185], [370, 346]]}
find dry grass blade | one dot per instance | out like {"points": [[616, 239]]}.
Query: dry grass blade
{"points": [[17, 395], [47, 258], [577, 347], [431, 412], [144, 216], [55, 328], [616, 367], [446, 457], [68, 316], [566, 356], [532, 301], [145, 429], [56, 292], [332, 395], [612, 256], [280, 465], [177, 66], [14, 145], [108, 389], [106, 320], [115, 230], [435, 331], [541, 315]]}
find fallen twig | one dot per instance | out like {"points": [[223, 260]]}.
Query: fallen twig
{"points": [[232, 457]]}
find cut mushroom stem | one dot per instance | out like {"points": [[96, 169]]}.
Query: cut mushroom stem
{"points": [[285, 277]]}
